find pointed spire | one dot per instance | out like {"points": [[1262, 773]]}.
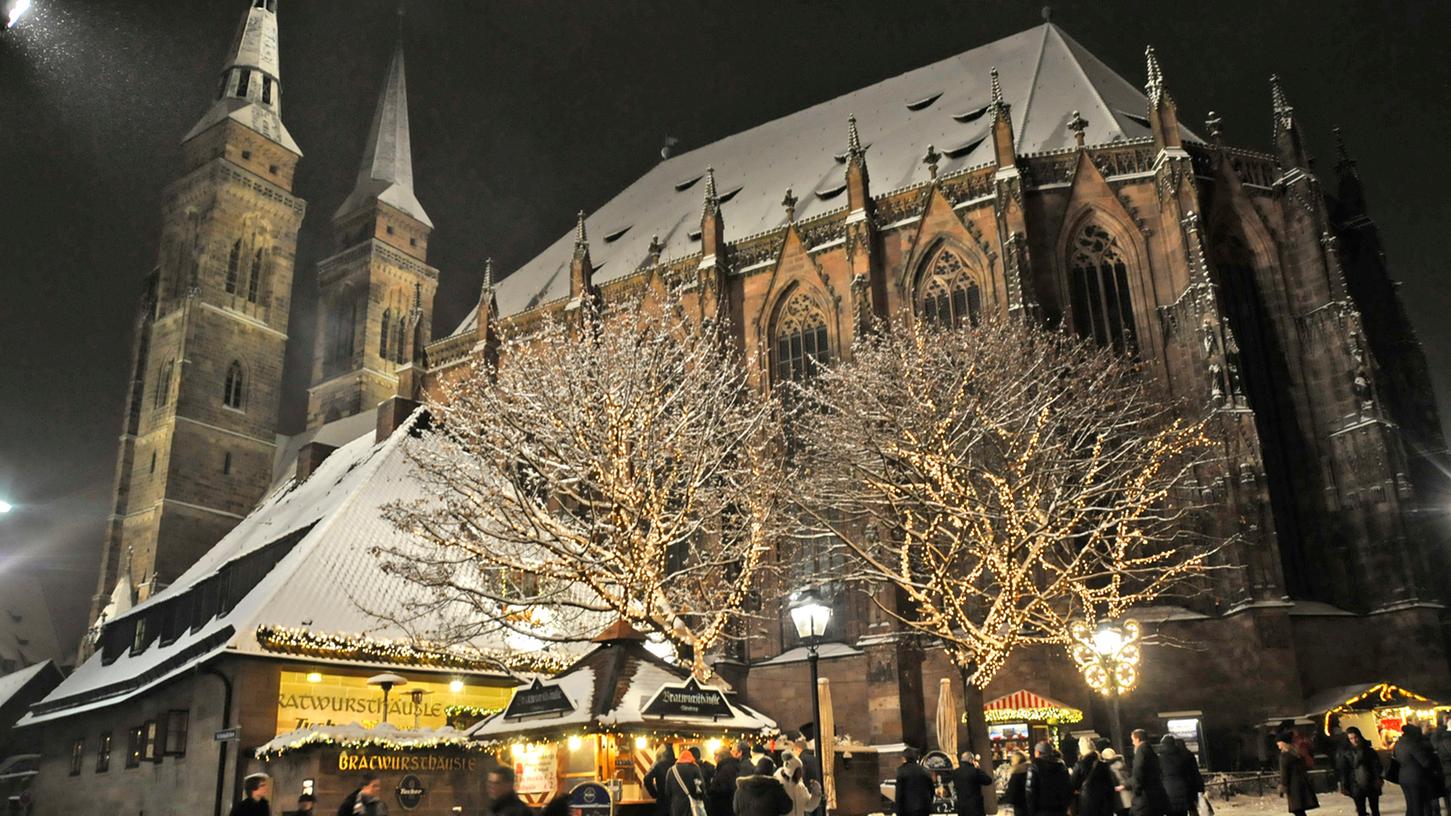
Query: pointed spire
{"points": [[1288, 144], [997, 89], [1004, 143], [712, 199], [1155, 85], [581, 240], [1342, 154], [854, 149], [251, 80], [1163, 114], [1277, 95], [386, 173], [487, 291]]}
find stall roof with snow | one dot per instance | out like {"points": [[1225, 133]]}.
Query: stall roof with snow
{"points": [[1028, 706], [610, 690]]}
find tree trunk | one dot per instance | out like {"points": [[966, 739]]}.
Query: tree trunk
{"points": [[977, 735]]}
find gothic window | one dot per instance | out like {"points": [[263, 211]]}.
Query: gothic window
{"points": [[255, 284], [801, 345], [1099, 291], [399, 326], [383, 335], [342, 318], [163, 384], [244, 77], [266, 90], [233, 262], [950, 297], [235, 388]]}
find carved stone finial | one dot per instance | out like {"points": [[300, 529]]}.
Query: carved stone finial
{"points": [[853, 138], [1155, 85], [1212, 124], [789, 202], [579, 233], [1277, 95], [1078, 124], [997, 87], [931, 159]]}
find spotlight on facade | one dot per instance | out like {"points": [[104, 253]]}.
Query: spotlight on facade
{"points": [[574, 743], [17, 10], [455, 685], [314, 677]]}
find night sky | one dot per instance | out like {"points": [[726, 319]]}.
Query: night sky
{"points": [[524, 111]]}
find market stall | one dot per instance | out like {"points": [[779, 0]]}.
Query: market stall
{"points": [[1019, 720], [607, 717], [1379, 710]]}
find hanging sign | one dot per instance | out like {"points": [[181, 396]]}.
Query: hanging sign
{"points": [[536, 771], [590, 799], [410, 792], [536, 700], [689, 700]]}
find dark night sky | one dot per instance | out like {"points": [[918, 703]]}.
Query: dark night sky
{"points": [[524, 111]]}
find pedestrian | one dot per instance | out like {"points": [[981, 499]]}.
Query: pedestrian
{"points": [[805, 793], [1294, 777], [365, 799], [503, 801], [654, 781], [707, 768], [305, 805], [1093, 782], [1417, 771], [1357, 765], [1441, 743], [968, 780], [759, 793], [1122, 781], [1016, 792], [1069, 749], [915, 787], [1146, 779], [682, 788], [809, 760], [720, 791], [1182, 780], [1048, 787], [254, 796]]}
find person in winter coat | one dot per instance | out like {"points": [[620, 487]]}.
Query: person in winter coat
{"points": [[1093, 782], [1048, 787], [254, 796], [1295, 777], [1146, 779], [1419, 771], [1182, 779], [915, 788], [1441, 743], [759, 793], [968, 780], [1357, 766], [805, 793], [364, 800], [707, 768], [681, 783], [503, 801], [801, 747], [720, 791], [654, 780], [1016, 793], [1122, 781]]}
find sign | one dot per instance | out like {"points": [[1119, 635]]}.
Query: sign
{"points": [[411, 761], [227, 735], [590, 799], [536, 700], [410, 792], [536, 769], [336, 699], [937, 762], [688, 701]]}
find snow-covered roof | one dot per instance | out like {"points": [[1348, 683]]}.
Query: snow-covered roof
{"points": [[328, 580], [825, 652], [12, 683], [337, 433], [353, 735], [1046, 76]]}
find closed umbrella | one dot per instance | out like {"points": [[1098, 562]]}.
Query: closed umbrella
{"points": [[947, 719], [826, 744]]}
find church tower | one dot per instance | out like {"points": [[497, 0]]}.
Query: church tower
{"points": [[198, 435], [377, 285]]}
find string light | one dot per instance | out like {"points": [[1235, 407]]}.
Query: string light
{"points": [[323, 736], [1053, 715], [361, 648]]}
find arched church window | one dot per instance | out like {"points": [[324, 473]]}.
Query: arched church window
{"points": [[163, 384], [801, 345], [233, 262], [950, 297], [235, 388], [266, 90], [1099, 291], [254, 285], [384, 334], [399, 326]]}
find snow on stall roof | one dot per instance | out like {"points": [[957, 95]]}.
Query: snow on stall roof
{"points": [[1045, 76], [578, 685], [354, 735]]}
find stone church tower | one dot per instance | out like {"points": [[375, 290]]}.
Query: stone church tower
{"points": [[199, 431], [375, 294]]}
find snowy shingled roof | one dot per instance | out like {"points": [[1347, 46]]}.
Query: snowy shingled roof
{"points": [[326, 581], [12, 683], [1045, 74]]}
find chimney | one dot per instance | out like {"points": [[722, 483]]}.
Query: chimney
{"points": [[392, 413], [309, 457]]}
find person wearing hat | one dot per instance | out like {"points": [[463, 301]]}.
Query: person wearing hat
{"points": [[1294, 777], [1358, 768], [254, 796]]}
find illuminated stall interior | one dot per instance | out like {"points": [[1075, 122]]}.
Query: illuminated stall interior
{"points": [[1018, 720], [1379, 710]]}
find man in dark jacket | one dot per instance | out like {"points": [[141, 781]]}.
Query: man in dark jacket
{"points": [[1048, 788], [1441, 743], [1357, 765], [809, 762], [254, 796], [503, 801], [682, 783], [365, 800], [759, 793], [720, 791], [1147, 781], [1182, 779], [914, 791], [968, 780], [1419, 770], [654, 780]]}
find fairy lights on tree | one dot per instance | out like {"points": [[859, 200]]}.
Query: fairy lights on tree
{"points": [[615, 464]]}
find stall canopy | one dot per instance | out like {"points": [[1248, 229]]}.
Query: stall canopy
{"points": [[1368, 697], [617, 688], [1028, 706]]}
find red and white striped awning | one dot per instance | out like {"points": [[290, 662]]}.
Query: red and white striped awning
{"points": [[1028, 706]]}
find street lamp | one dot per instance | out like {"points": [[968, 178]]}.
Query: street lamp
{"points": [[1109, 659], [811, 618], [17, 10], [5, 507]]}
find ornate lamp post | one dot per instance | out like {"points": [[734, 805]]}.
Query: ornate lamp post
{"points": [[1109, 659], [811, 616]]}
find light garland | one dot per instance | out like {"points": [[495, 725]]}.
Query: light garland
{"points": [[1053, 715], [461, 710], [320, 737], [1388, 694], [307, 643]]}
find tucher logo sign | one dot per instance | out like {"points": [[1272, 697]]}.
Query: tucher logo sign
{"points": [[688, 701], [410, 792]]}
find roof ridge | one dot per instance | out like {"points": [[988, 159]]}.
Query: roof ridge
{"points": [[1092, 86], [1032, 86]]}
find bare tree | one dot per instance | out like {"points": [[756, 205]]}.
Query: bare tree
{"points": [[1004, 479], [610, 466]]}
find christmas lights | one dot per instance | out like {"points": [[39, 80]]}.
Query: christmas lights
{"points": [[361, 648], [351, 738], [1053, 715]]}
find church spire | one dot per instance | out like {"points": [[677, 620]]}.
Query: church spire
{"points": [[250, 88], [387, 169], [1163, 113], [1288, 144]]}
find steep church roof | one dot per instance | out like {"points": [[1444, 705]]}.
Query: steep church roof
{"points": [[387, 170], [255, 102], [1045, 75]]}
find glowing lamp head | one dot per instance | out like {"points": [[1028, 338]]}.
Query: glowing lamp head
{"points": [[712, 746], [641, 742], [517, 749], [810, 616], [455, 685], [17, 10], [1108, 640], [5, 506], [575, 742], [314, 677]]}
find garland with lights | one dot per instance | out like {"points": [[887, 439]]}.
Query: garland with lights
{"points": [[1053, 715], [304, 642], [321, 737], [1387, 695], [462, 710]]}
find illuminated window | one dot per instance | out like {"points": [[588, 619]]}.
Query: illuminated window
{"points": [[78, 752], [134, 740], [801, 343], [1099, 289], [151, 741], [103, 753], [950, 297]]}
